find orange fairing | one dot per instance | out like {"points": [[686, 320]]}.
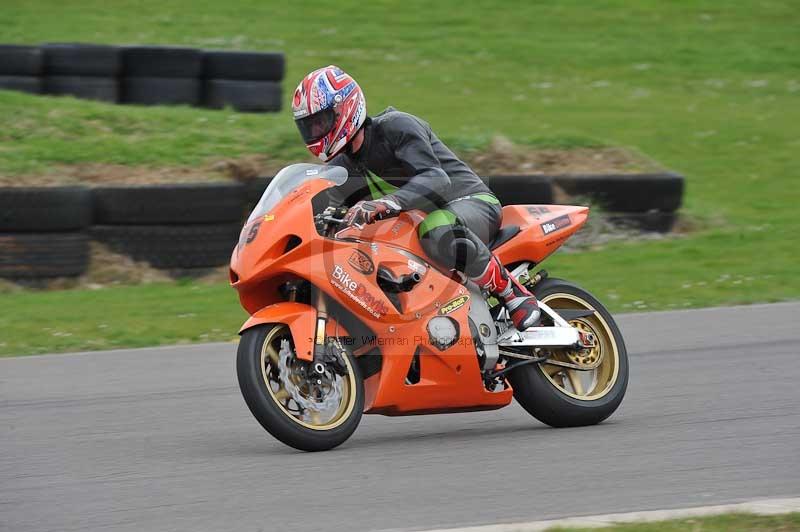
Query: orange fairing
{"points": [[284, 244], [543, 229], [300, 318]]}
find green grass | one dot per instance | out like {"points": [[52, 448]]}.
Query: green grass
{"points": [[709, 89], [131, 316], [719, 523]]}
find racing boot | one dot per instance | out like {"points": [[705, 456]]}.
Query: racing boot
{"points": [[520, 303]]}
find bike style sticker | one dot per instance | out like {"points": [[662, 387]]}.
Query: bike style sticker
{"points": [[342, 280], [361, 262], [454, 304], [555, 224]]}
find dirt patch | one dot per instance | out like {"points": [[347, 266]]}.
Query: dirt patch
{"points": [[242, 169], [501, 157]]}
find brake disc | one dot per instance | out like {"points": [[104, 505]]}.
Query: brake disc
{"points": [[330, 398]]}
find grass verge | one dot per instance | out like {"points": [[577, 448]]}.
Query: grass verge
{"points": [[718, 523]]}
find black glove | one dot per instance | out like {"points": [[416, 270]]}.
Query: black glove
{"points": [[370, 211]]}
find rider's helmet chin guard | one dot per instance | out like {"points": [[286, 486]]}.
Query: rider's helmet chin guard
{"points": [[329, 109]]}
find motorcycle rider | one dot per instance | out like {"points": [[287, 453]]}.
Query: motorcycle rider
{"points": [[330, 111]]}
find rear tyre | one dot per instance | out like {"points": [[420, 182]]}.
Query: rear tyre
{"points": [[288, 405], [563, 397]]}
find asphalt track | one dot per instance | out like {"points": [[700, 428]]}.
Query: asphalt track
{"points": [[160, 439]]}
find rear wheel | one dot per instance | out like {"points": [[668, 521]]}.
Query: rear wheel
{"points": [[575, 387], [305, 410]]}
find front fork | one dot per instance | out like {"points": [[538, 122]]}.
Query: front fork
{"points": [[322, 323]]}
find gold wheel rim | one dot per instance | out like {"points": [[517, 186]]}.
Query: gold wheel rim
{"points": [[282, 397], [590, 384]]}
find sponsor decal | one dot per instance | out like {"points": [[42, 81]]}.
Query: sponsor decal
{"points": [[415, 266], [453, 304], [374, 248], [341, 279], [269, 217], [555, 224], [537, 212], [361, 262]]}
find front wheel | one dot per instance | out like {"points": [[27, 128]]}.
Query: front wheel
{"points": [[298, 406], [579, 387]]}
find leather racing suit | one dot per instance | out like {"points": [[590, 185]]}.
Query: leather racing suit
{"points": [[463, 214]]}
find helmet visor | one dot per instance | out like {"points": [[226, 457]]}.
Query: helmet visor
{"points": [[314, 127]]}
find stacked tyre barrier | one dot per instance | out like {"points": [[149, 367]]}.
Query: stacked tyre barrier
{"points": [[21, 68], [247, 82], [646, 202], [154, 75], [84, 71], [188, 228], [147, 75], [43, 232], [643, 202], [173, 227]]}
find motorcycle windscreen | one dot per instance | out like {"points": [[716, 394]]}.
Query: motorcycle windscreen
{"points": [[292, 177]]}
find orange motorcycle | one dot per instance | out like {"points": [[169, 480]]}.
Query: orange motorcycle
{"points": [[352, 320]]}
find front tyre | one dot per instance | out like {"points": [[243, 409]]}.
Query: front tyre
{"points": [[580, 387], [303, 409]]}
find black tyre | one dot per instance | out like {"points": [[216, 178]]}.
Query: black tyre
{"points": [[563, 397], [78, 59], [253, 66], [172, 246], [627, 193], [279, 397], [43, 255], [245, 96], [199, 203], [85, 87], [20, 60], [30, 84], [44, 209], [161, 91], [162, 62], [521, 189]]}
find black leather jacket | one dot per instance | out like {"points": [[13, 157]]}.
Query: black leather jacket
{"points": [[402, 150]]}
